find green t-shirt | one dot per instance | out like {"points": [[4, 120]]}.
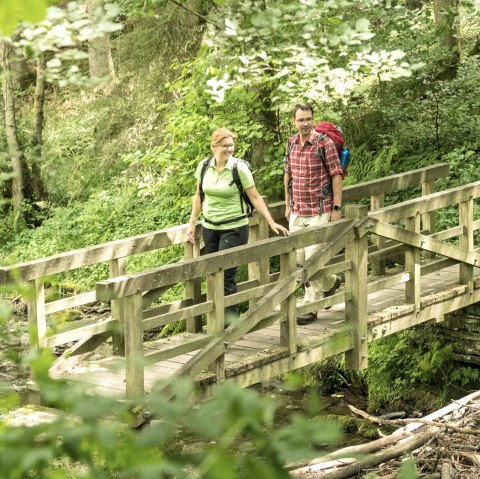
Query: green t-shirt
{"points": [[222, 199]]}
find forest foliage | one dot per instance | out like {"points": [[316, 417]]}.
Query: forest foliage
{"points": [[109, 151], [104, 155]]}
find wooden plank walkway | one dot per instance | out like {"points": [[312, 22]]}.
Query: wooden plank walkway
{"points": [[261, 349]]}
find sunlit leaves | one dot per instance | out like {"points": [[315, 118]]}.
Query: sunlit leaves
{"points": [[15, 11], [318, 47], [65, 32]]}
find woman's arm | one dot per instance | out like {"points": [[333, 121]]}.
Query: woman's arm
{"points": [[261, 207], [196, 209]]}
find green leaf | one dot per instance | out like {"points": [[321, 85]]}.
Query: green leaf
{"points": [[255, 467], [15, 11], [407, 470]]}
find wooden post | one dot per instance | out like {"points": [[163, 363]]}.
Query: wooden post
{"points": [[288, 327], [134, 372], [117, 267], [356, 309], [37, 321], [465, 214], [378, 267], [216, 318], [260, 270], [413, 265], [193, 288], [428, 219]]}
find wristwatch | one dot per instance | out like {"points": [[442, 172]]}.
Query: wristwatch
{"points": [[337, 207]]}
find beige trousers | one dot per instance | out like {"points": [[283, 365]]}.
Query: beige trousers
{"points": [[298, 223]]}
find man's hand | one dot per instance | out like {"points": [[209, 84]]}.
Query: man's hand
{"points": [[335, 215]]}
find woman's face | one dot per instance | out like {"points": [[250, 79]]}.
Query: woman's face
{"points": [[224, 149]]}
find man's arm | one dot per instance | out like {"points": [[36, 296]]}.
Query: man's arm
{"points": [[286, 181], [337, 196]]}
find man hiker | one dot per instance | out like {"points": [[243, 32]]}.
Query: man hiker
{"points": [[313, 192]]}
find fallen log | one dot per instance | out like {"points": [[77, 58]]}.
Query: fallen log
{"points": [[344, 468], [398, 422], [346, 453], [448, 471], [372, 460], [441, 412]]}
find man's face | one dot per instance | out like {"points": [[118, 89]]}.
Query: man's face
{"points": [[303, 122]]}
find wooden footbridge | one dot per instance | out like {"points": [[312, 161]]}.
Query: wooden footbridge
{"points": [[435, 273]]}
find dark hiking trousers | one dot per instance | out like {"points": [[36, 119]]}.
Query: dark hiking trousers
{"points": [[219, 240]]}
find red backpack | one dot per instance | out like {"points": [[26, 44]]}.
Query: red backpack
{"points": [[334, 132]]}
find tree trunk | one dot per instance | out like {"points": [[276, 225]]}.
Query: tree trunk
{"points": [[447, 22], [37, 183], [267, 121], [414, 4], [11, 133], [99, 51]]}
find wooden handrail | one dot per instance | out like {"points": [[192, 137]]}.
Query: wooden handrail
{"points": [[428, 203], [381, 186], [184, 270], [78, 258]]}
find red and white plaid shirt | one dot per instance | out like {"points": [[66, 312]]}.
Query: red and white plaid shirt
{"points": [[311, 192]]}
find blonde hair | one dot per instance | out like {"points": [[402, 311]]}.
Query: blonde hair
{"points": [[221, 134]]}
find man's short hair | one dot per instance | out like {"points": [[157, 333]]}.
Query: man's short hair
{"points": [[303, 107]]}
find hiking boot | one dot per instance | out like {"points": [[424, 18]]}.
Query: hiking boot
{"points": [[333, 289], [306, 318]]}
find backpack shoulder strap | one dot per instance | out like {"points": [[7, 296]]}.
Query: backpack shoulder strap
{"points": [[290, 146], [206, 164], [238, 182], [320, 154], [235, 175]]}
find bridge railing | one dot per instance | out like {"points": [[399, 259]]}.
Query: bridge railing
{"points": [[264, 298], [116, 253], [441, 249], [424, 253]]}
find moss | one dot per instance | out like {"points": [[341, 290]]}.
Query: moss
{"points": [[360, 427]]}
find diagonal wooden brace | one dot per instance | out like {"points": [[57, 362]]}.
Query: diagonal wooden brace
{"points": [[426, 243]]}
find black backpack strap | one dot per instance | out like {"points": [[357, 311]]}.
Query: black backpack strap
{"points": [[206, 164], [238, 182], [290, 147], [320, 153], [243, 196]]}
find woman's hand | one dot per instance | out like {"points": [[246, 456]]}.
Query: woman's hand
{"points": [[279, 229], [191, 233]]}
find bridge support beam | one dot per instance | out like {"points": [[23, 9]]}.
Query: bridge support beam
{"points": [[117, 267], [428, 219], [288, 328], [413, 265], [193, 287], [378, 267], [37, 322], [259, 270], [465, 213], [356, 312], [216, 319], [134, 372]]}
